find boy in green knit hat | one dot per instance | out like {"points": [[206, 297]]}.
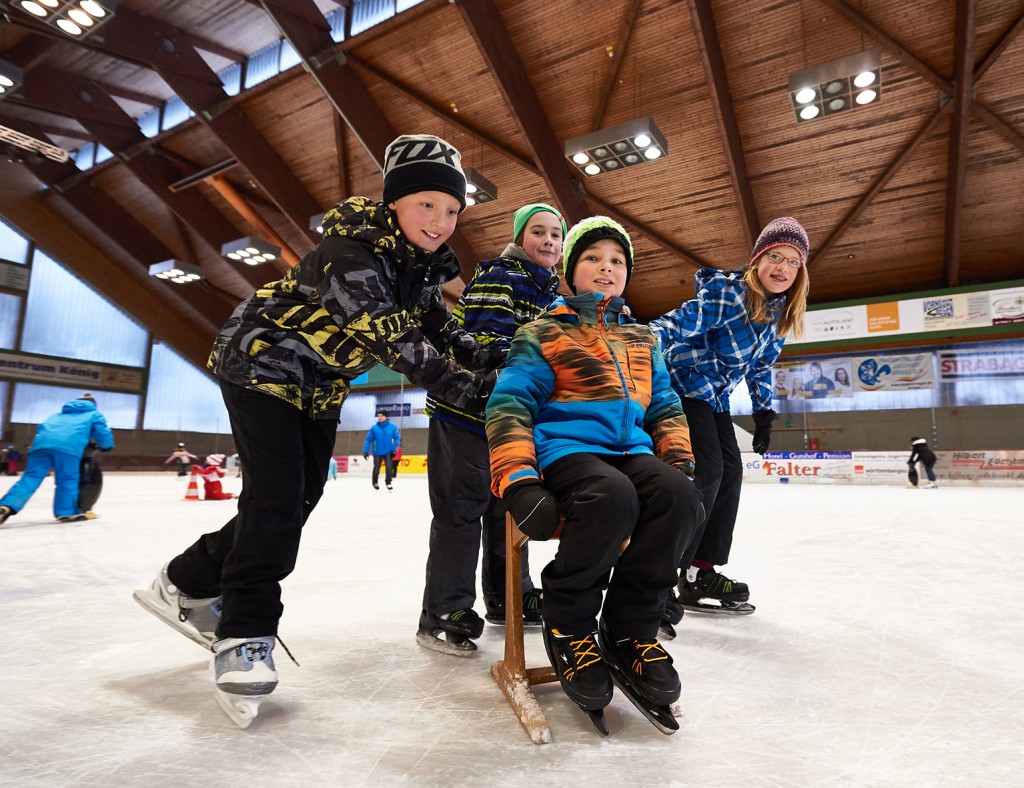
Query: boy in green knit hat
{"points": [[583, 424], [504, 293]]}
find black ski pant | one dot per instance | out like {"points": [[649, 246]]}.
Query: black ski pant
{"points": [[286, 455], [464, 514], [389, 468], [606, 499], [719, 474]]}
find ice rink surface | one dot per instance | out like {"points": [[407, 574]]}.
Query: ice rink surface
{"points": [[886, 650]]}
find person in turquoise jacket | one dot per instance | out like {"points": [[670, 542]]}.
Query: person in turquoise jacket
{"points": [[382, 439], [58, 446]]}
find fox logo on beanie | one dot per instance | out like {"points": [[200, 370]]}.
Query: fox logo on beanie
{"points": [[784, 231], [423, 163], [590, 231]]}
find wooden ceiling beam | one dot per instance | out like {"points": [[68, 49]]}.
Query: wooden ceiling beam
{"points": [[121, 227], [1000, 46], [624, 218], [444, 114], [966, 24], [880, 183], [618, 52], [499, 53], [1000, 126], [305, 28], [30, 51], [172, 53], [60, 92], [725, 116]]}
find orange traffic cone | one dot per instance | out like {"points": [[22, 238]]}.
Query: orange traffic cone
{"points": [[192, 493]]}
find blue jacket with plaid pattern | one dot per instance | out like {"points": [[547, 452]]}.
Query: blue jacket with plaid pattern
{"points": [[710, 343]]}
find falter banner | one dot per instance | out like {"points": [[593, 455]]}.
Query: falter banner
{"points": [[897, 372]]}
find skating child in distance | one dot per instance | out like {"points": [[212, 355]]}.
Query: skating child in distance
{"points": [[733, 330], [583, 422], [504, 293], [212, 473], [182, 458], [58, 446], [370, 293], [920, 453]]}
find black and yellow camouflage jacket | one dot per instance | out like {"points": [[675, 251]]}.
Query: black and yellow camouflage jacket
{"points": [[364, 296]]}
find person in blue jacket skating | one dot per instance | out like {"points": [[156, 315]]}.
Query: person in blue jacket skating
{"points": [[382, 439], [58, 446]]}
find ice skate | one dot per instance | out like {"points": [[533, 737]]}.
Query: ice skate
{"points": [[673, 615], [5, 512], [71, 518], [712, 592], [532, 602], [243, 672], [196, 619], [388, 485], [582, 673], [450, 633], [643, 671], [931, 486]]}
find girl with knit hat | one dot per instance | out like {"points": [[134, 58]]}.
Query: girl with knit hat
{"points": [[503, 294], [583, 424], [368, 294], [733, 330]]}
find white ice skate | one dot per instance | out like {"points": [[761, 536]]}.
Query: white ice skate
{"points": [[196, 619], [243, 672]]}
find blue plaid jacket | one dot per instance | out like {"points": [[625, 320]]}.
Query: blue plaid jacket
{"points": [[710, 345]]}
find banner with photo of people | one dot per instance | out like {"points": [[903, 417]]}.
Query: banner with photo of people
{"points": [[841, 376], [817, 379]]}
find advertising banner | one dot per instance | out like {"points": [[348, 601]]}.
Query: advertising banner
{"points": [[817, 379], [988, 364], [33, 368], [895, 372]]}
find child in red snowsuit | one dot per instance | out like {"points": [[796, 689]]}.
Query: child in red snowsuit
{"points": [[212, 473]]}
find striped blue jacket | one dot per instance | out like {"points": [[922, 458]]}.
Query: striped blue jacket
{"points": [[503, 294], [711, 345]]}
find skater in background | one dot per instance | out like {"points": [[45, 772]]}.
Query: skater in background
{"points": [[504, 293], [183, 458], [58, 446], [921, 453], [332, 469], [370, 293], [11, 462], [733, 330], [396, 460], [212, 472], [381, 440], [584, 423]]}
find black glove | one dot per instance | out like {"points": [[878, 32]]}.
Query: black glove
{"points": [[479, 403], [763, 430], [535, 510], [366, 456]]}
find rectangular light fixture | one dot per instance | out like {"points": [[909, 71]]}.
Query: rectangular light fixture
{"points": [[250, 250], [616, 147], [478, 188], [846, 83], [316, 222], [177, 271], [76, 18], [11, 78]]}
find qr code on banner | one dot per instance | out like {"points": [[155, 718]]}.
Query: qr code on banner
{"points": [[939, 307]]}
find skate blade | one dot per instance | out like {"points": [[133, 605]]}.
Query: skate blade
{"points": [[434, 642], [661, 717], [596, 717], [150, 603], [666, 632], [241, 709], [721, 609]]}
